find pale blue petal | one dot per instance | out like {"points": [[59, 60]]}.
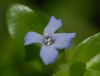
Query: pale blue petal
{"points": [[63, 40], [53, 25], [32, 37], [48, 54]]}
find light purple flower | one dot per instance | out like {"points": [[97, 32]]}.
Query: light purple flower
{"points": [[50, 41]]}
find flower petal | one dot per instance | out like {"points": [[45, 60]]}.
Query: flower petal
{"points": [[63, 40], [48, 54], [52, 26], [32, 37]]}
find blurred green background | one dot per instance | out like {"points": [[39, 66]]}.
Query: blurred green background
{"points": [[80, 16]]}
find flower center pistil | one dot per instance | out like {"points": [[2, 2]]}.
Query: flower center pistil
{"points": [[48, 41]]}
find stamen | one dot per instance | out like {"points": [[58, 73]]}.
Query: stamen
{"points": [[48, 41]]}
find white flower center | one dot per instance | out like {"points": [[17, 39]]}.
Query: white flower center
{"points": [[48, 41]]}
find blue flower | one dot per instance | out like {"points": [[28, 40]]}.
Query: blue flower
{"points": [[50, 41]]}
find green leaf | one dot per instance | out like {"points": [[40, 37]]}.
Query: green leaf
{"points": [[20, 20], [87, 49], [94, 63], [73, 69], [77, 69], [91, 72], [63, 71], [88, 52]]}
